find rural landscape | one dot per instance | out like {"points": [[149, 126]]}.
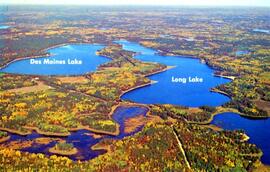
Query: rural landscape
{"points": [[134, 88]]}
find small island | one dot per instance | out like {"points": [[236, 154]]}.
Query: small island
{"points": [[4, 136], [63, 148]]}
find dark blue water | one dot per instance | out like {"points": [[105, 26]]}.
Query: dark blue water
{"points": [[86, 53], [81, 139], [123, 113], [168, 92], [257, 130]]}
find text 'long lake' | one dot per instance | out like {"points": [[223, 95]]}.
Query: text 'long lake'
{"points": [[188, 83]]}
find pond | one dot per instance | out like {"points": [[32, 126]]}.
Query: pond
{"points": [[4, 27]]}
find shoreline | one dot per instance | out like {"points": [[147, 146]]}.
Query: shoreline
{"points": [[245, 137], [24, 58], [21, 133], [223, 110], [37, 130], [124, 104], [164, 53], [127, 104], [160, 71], [34, 56], [146, 84], [220, 111], [227, 77], [134, 88], [47, 133], [97, 147], [3, 139], [215, 90], [45, 50], [95, 131]]}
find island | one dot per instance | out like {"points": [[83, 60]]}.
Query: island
{"points": [[4, 136], [63, 149]]}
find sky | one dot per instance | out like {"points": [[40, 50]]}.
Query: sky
{"points": [[145, 2]]}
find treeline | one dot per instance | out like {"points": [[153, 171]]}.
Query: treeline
{"points": [[11, 81], [244, 91]]}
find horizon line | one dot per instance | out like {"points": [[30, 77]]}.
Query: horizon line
{"points": [[149, 5]]}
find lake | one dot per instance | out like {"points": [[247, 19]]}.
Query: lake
{"points": [[257, 130], [241, 52], [4, 27], [166, 90], [60, 61], [261, 30]]}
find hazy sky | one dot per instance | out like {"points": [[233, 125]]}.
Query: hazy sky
{"points": [[146, 2]]}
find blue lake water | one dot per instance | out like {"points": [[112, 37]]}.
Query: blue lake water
{"points": [[257, 130], [123, 113], [241, 52], [261, 30], [81, 139], [86, 53], [167, 92], [4, 27]]}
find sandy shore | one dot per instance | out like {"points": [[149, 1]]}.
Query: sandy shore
{"points": [[47, 133], [159, 71], [227, 77], [220, 92], [117, 131], [245, 137], [15, 131], [101, 147], [3, 139]]}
